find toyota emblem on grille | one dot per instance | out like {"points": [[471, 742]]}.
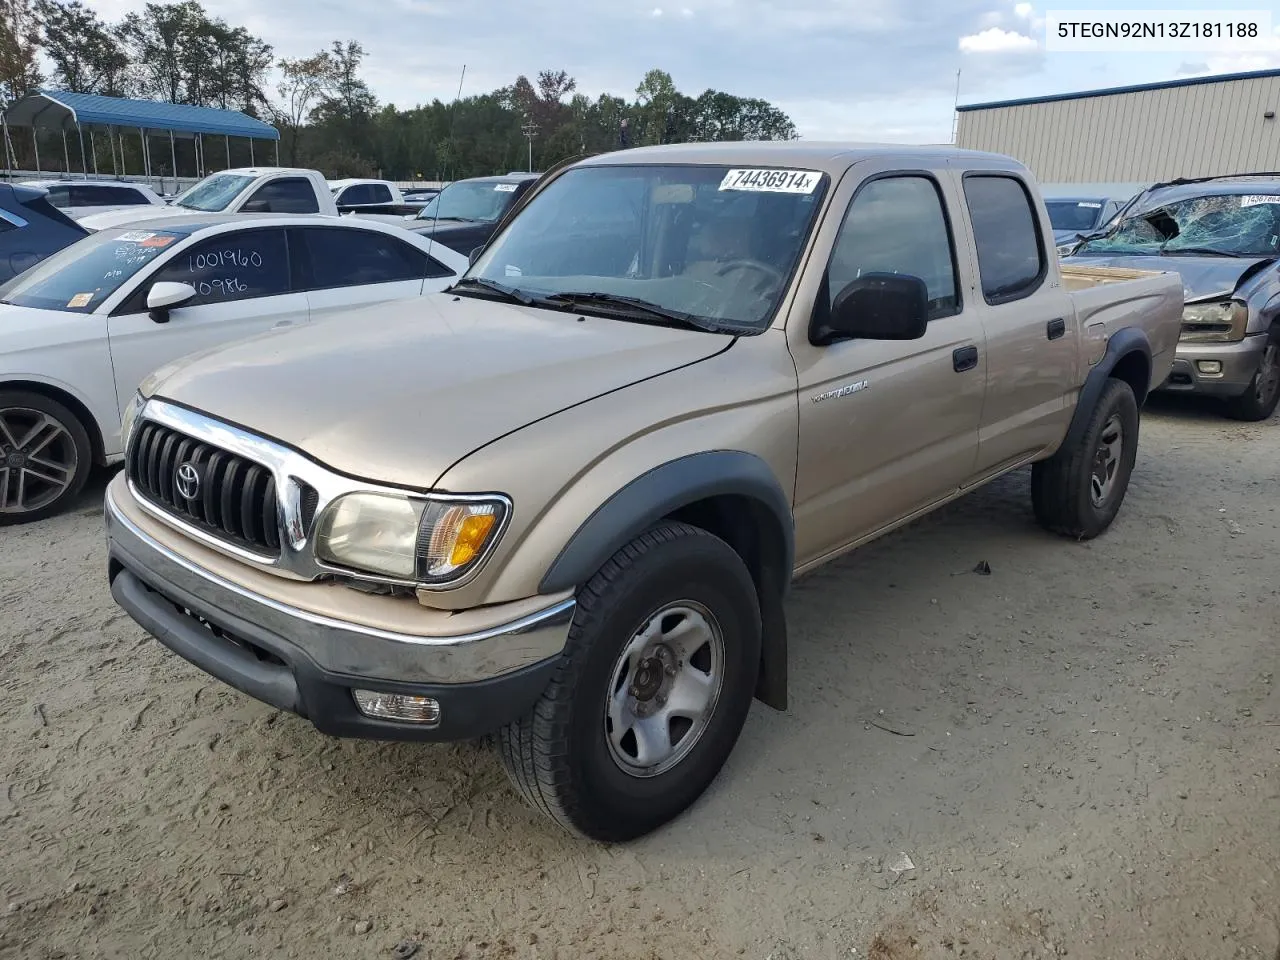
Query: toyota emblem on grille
{"points": [[188, 481]]}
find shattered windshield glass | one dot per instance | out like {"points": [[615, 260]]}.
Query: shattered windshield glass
{"points": [[1236, 225]]}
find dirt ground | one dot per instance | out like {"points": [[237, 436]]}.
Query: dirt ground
{"points": [[1078, 753]]}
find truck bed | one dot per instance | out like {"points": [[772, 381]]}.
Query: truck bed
{"points": [[1110, 298]]}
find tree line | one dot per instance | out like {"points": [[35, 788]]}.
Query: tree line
{"points": [[327, 115]]}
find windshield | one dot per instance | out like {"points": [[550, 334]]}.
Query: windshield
{"points": [[1238, 225], [469, 201], [214, 192], [79, 277], [1077, 215], [714, 243]]}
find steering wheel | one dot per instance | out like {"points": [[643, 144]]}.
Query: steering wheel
{"points": [[769, 273]]}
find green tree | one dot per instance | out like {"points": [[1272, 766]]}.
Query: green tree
{"points": [[304, 83], [19, 33], [87, 56]]}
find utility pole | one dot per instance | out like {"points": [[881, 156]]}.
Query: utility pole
{"points": [[955, 111], [530, 130]]}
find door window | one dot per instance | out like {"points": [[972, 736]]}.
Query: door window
{"points": [[897, 225], [288, 195], [234, 266], [341, 257], [1011, 257]]}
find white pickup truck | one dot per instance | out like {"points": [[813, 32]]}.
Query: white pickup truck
{"points": [[240, 190]]}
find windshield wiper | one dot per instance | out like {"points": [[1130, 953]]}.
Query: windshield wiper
{"points": [[510, 293], [1199, 251], [637, 305]]}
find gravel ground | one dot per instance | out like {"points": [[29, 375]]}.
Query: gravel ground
{"points": [[1079, 754]]}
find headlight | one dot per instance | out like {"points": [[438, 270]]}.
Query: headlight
{"points": [[372, 532], [129, 418], [1221, 322], [415, 540]]}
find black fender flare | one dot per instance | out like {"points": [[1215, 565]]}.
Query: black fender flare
{"points": [[663, 491], [1119, 345]]}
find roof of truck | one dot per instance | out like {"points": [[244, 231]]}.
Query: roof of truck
{"points": [[829, 157]]}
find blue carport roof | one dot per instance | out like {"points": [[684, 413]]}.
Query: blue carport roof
{"points": [[60, 110]]}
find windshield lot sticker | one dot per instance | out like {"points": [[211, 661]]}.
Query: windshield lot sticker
{"points": [[771, 181], [135, 236], [156, 240], [1253, 199], [79, 300], [1089, 204], [505, 188]]}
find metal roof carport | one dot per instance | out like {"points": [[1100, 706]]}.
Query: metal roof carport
{"points": [[67, 112]]}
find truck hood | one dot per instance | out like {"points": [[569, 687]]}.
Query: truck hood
{"points": [[117, 218], [1202, 277], [401, 391]]}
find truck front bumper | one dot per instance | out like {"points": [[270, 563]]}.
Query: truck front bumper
{"points": [[1216, 369], [284, 656]]}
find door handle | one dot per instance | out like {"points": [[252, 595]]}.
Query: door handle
{"points": [[1057, 328], [964, 358]]}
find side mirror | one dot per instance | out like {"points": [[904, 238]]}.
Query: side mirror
{"points": [[877, 306], [474, 255], [256, 206], [164, 296]]}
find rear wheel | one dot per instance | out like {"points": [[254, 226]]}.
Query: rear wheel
{"points": [[656, 682], [1259, 401], [45, 457], [1078, 491]]}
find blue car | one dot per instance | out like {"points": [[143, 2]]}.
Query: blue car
{"points": [[31, 228]]}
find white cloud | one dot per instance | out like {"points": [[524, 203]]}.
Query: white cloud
{"points": [[1023, 11], [656, 12], [996, 40], [686, 13]]}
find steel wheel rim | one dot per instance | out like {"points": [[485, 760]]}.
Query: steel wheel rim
{"points": [[1106, 460], [664, 688], [38, 459], [1268, 375]]}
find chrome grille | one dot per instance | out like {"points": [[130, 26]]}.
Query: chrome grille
{"points": [[232, 498]]}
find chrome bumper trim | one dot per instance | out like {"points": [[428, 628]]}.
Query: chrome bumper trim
{"points": [[339, 646]]}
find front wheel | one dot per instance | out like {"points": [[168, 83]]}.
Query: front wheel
{"points": [[655, 685], [1078, 491], [1259, 401], [45, 457]]}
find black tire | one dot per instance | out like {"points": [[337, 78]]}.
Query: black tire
{"points": [[1259, 401], [558, 756], [1062, 487], [72, 446]]}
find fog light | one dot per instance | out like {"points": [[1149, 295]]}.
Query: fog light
{"points": [[398, 706], [1211, 367]]}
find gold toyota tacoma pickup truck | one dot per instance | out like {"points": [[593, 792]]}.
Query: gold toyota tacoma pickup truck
{"points": [[562, 502]]}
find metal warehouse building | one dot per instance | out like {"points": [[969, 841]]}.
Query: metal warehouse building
{"points": [[1157, 131]]}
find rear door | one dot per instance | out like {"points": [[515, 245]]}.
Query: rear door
{"points": [[243, 288], [887, 427], [1027, 318]]}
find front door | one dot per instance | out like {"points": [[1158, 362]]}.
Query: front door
{"points": [[887, 427], [242, 288]]}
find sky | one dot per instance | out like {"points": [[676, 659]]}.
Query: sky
{"points": [[882, 70]]}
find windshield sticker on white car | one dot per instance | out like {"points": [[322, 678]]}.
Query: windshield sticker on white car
{"points": [[1089, 204], [772, 181], [1253, 199], [135, 236], [157, 240], [505, 187], [79, 300]]}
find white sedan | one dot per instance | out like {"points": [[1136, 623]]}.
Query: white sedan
{"points": [[80, 330]]}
